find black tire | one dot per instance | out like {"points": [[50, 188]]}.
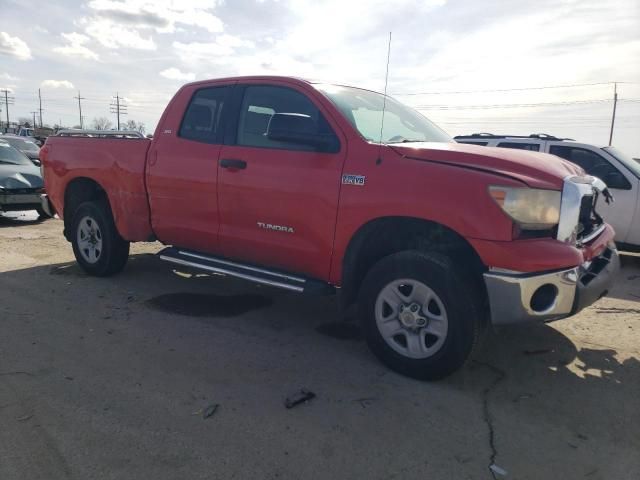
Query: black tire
{"points": [[114, 250], [42, 215], [462, 304]]}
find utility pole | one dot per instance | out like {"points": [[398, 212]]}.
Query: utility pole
{"points": [[613, 117], [40, 100], [7, 101], [34, 119], [80, 107], [118, 108]]}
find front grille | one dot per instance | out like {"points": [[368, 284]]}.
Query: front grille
{"points": [[588, 219]]}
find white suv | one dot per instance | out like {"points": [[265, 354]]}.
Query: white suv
{"points": [[619, 171]]}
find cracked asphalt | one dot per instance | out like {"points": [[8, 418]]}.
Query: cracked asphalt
{"points": [[111, 379]]}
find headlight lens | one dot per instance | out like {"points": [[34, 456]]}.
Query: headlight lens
{"points": [[530, 208]]}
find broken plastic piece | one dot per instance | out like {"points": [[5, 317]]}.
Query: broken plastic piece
{"points": [[299, 397], [498, 470], [210, 410]]}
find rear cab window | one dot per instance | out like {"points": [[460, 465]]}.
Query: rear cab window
{"points": [[201, 122]]}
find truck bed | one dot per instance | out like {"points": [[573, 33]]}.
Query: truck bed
{"points": [[116, 164]]}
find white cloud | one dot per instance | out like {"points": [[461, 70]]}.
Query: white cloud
{"points": [[215, 52], [161, 15], [75, 46], [57, 84], [113, 35], [175, 74], [14, 47], [6, 76]]}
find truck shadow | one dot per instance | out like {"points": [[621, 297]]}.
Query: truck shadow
{"points": [[530, 360]]}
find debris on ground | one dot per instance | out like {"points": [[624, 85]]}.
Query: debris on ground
{"points": [[522, 397], [25, 418], [210, 410], [498, 470], [299, 397], [365, 402]]}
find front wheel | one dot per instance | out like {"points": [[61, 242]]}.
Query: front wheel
{"points": [[98, 247], [420, 315]]}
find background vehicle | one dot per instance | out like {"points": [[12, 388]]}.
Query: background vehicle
{"points": [[26, 145], [285, 182], [617, 170], [21, 185]]}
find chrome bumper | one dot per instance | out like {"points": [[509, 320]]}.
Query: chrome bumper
{"points": [[531, 297]]}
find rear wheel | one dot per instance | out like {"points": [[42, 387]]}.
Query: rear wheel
{"points": [[97, 245], [420, 316]]}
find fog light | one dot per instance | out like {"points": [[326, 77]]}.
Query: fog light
{"points": [[544, 298]]}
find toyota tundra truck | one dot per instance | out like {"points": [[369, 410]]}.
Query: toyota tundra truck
{"points": [[318, 188]]}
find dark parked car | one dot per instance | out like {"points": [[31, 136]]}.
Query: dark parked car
{"points": [[21, 185], [26, 145]]}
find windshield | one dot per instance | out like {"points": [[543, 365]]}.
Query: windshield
{"points": [[11, 156], [363, 109], [21, 144], [624, 159]]}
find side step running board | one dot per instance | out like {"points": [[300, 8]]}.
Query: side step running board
{"points": [[252, 273]]}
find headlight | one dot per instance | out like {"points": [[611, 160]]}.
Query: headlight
{"points": [[530, 208]]}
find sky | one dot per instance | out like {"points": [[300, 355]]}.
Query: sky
{"points": [[516, 67]]}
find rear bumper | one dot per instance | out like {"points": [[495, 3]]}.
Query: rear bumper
{"points": [[530, 297]]}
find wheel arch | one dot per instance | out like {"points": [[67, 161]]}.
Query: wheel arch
{"points": [[77, 191], [384, 236]]}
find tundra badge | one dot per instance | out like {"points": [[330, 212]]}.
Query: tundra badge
{"points": [[277, 228], [353, 180]]}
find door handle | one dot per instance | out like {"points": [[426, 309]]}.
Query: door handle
{"points": [[233, 163]]}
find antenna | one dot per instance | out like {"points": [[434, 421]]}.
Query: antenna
{"points": [[384, 100]]}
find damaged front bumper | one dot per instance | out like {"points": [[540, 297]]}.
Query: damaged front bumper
{"points": [[529, 297]]}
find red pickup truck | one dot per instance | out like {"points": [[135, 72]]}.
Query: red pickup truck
{"points": [[312, 188]]}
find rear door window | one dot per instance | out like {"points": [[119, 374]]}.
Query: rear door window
{"points": [[594, 164], [201, 121]]}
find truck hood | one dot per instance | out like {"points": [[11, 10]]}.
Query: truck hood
{"points": [[537, 170], [16, 177]]}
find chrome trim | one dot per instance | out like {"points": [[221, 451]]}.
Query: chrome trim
{"points": [[572, 193], [244, 267], [592, 235], [573, 190], [232, 273], [510, 296]]}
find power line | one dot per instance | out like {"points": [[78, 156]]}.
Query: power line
{"points": [[7, 101], [40, 101], [546, 87], [80, 98], [519, 105], [117, 108]]}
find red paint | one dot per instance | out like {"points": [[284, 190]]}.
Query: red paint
{"points": [[175, 189]]}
